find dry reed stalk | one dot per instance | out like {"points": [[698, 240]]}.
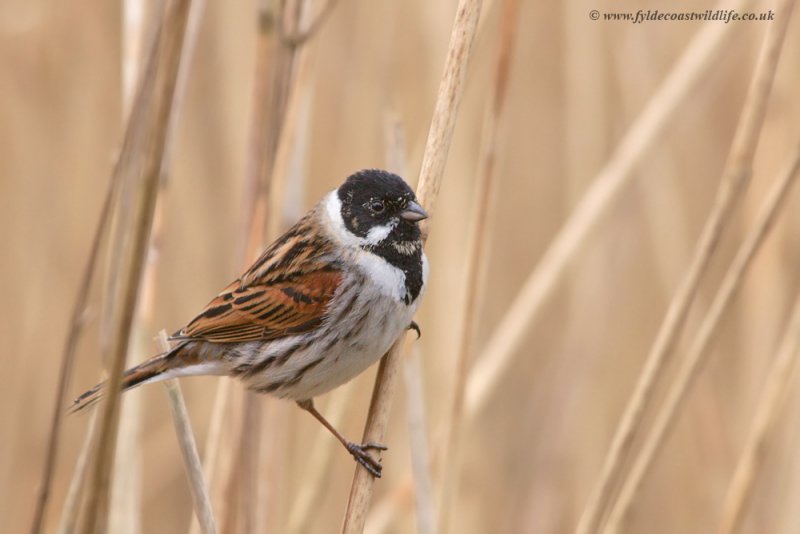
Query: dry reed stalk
{"points": [[383, 513], [397, 162], [448, 99], [263, 160], [140, 164], [144, 323], [126, 488], [435, 156], [68, 522], [267, 451], [195, 18], [736, 175], [395, 503], [287, 177], [596, 100], [123, 516], [255, 190], [76, 324], [666, 214], [294, 107], [697, 352], [378, 415], [218, 461], [213, 445], [476, 263], [139, 22], [71, 508], [134, 36], [191, 459], [186, 441], [244, 498], [276, 87], [418, 443], [509, 334], [218, 449], [771, 402], [228, 401]]}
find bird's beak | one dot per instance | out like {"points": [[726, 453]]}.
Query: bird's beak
{"points": [[413, 212]]}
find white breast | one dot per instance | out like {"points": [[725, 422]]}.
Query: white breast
{"points": [[388, 279]]}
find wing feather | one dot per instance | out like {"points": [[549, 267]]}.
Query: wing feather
{"points": [[265, 312], [286, 291]]}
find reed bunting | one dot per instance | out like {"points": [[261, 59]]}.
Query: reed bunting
{"points": [[322, 303]]}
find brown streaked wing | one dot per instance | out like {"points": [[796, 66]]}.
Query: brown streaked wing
{"points": [[300, 249], [266, 311]]}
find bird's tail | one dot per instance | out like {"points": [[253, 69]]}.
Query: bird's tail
{"points": [[168, 365]]}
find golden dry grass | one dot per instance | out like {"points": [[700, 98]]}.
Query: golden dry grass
{"points": [[532, 446]]}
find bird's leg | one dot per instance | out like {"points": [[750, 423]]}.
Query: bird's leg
{"points": [[415, 327], [359, 452]]}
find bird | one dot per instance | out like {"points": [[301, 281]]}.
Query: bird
{"points": [[320, 305]]}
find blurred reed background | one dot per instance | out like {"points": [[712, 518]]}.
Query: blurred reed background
{"points": [[533, 438]]}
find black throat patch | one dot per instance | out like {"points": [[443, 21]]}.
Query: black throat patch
{"points": [[406, 256]]}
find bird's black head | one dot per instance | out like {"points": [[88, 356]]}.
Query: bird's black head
{"points": [[377, 205], [381, 210]]}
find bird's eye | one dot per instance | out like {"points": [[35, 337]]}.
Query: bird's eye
{"points": [[377, 207]]}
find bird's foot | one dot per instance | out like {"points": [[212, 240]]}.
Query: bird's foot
{"points": [[361, 456], [415, 327]]}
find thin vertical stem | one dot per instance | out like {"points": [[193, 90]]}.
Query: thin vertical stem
{"points": [[476, 259], [68, 522], [273, 98], [71, 508], [396, 161], [67, 362], [735, 177], [540, 285], [433, 163], [698, 350], [140, 161], [768, 410], [191, 459], [418, 443]]}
